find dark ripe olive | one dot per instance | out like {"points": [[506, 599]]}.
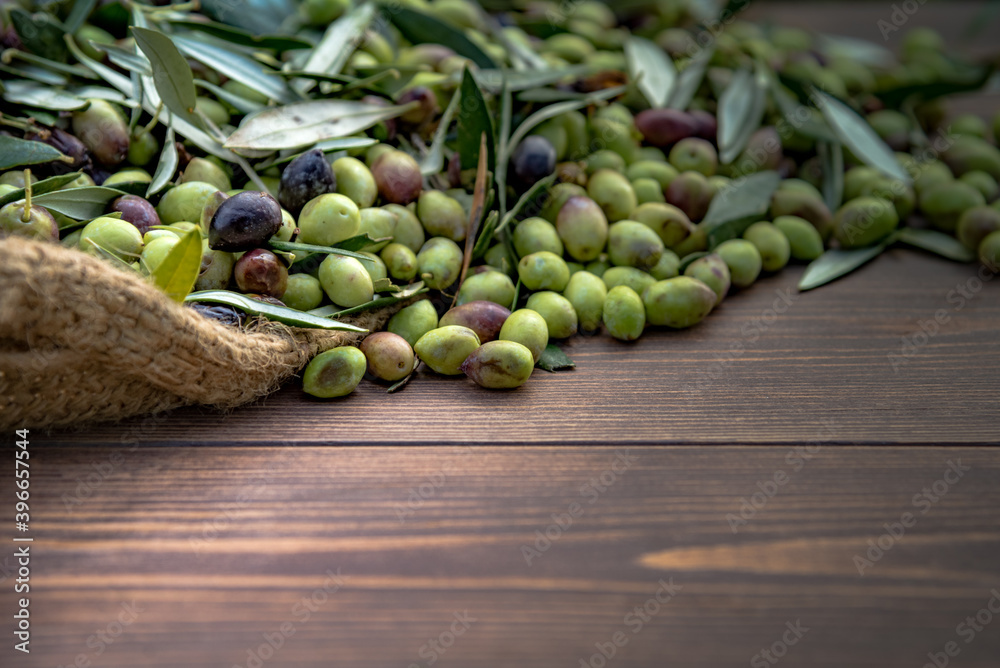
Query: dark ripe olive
{"points": [[222, 314], [398, 177], [305, 178], [706, 124], [426, 109], [261, 272], [482, 317], [137, 211], [666, 127], [533, 159], [455, 170], [244, 221], [66, 144]]}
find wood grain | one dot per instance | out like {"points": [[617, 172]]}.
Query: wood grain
{"points": [[824, 368], [216, 546]]}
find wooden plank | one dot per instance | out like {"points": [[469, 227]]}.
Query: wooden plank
{"points": [[832, 365], [213, 548]]}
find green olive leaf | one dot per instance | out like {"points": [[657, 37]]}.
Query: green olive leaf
{"points": [[836, 263], [257, 16], [81, 203], [283, 314], [652, 68], [177, 272], [936, 242], [39, 74], [54, 65], [855, 133], [385, 285], [338, 43], [831, 155], [39, 187], [244, 38], [29, 93], [433, 162], [236, 66], [420, 28], [127, 59], [238, 102], [171, 72], [493, 80], [473, 120], [305, 123], [553, 359], [291, 246], [486, 235], [167, 165], [741, 110], [81, 10], [331, 311], [689, 79], [16, 152], [736, 207], [40, 33]]}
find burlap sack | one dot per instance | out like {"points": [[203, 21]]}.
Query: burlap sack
{"points": [[82, 341]]}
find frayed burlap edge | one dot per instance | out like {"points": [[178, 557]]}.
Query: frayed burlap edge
{"points": [[82, 341]]}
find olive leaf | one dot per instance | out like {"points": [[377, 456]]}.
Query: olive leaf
{"points": [[855, 133], [328, 146], [54, 65], [831, 155], [81, 10], [741, 110], [292, 246], [244, 38], [40, 33], [486, 235], [29, 93], [258, 16], [127, 59], [420, 28], [177, 272], [38, 187], [171, 72], [554, 359], [283, 314], [305, 123], [38, 74], [81, 203], [473, 120], [936, 242], [652, 68], [547, 95], [236, 66], [167, 165], [858, 50], [338, 43], [16, 152], [738, 206], [689, 79], [835, 263], [493, 80], [433, 162], [238, 102], [411, 290]]}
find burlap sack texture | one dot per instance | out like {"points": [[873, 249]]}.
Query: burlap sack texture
{"points": [[82, 341]]}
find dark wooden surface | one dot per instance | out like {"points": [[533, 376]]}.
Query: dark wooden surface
{"points": [[424, 501]]}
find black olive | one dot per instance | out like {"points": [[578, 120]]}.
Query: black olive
{"points": [[137, 211], [223, 314], [306, 177], [534, 158], [244, 221]]}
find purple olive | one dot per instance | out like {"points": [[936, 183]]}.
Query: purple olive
{"points": [[137, 211], [261, 272], [244, 221]]}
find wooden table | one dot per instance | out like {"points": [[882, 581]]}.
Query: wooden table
{"points": [[798, 487]]}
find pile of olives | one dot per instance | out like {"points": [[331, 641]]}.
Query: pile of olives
{"points": [[618, 241]]}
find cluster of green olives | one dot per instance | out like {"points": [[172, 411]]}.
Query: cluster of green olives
{"points": [[618, 242]]}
